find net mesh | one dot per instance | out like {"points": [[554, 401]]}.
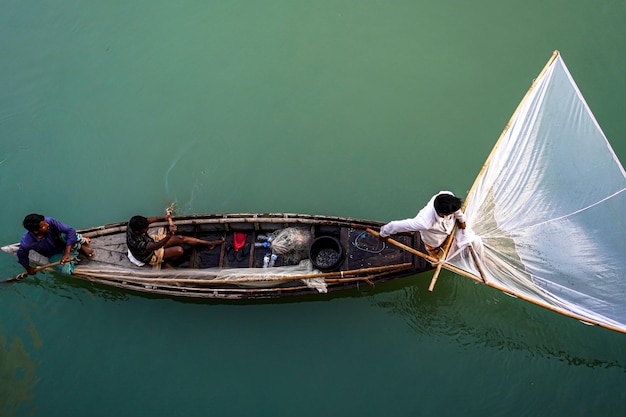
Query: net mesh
{"points": [[291, 243]]}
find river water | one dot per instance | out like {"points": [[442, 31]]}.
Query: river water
{"points": [[350, 108]]}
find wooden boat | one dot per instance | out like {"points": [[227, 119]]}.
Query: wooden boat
{"points": [[312, 255], [545, 209]]}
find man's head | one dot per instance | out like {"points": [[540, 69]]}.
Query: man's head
{"points": [[138, 224], [446, 204], [35, 223]]}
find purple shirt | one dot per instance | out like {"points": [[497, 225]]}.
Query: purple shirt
{"points": [[50, 244]]}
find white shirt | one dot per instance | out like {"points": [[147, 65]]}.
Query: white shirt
{"points": [[433, 228]]}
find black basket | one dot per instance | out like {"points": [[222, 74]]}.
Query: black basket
{"points": [[326, 253]]}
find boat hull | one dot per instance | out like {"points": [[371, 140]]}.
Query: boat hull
{"points": [[232, 271]]}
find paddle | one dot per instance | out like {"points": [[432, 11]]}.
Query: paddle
{"points": [[25, 274]]}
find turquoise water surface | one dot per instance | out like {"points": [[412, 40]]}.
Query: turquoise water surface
{"points": [[348, 108]]}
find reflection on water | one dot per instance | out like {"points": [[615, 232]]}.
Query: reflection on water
{"points": [[475, 317], [72, 288], [18, 376], [21, 346]]}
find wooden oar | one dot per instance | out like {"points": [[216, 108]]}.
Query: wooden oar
{"points": [[25, 274]]}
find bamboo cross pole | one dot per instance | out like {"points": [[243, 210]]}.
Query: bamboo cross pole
{"points": [[432, 259], [446, 249]]}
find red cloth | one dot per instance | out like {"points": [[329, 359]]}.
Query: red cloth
{"points": [[239, 240]]}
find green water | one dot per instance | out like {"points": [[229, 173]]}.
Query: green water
{"points": [[351, 108]]}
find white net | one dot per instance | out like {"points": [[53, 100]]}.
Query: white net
{"points": [[549, 207], [302, 273], [268, 277], [291, 243]]}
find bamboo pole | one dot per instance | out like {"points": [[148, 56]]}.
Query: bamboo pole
{"points": [[556, 310], [403, 246], [226, 221], [163, 282], [195, 292], [432, 259], [336, 276], [448, 242], [477, 263], [555, 54], [250, 218], [37, 269], [203, 292], [446, 249], [25, 274]]}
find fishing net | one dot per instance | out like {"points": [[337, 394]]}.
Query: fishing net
{"points": [[243, 277], [268, 277], [549, 207], [291, 243]]}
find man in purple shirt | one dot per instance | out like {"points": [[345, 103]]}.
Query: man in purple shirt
{"points": [[52, 239]]}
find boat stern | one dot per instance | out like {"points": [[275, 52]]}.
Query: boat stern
{"points": [[10, 249]]}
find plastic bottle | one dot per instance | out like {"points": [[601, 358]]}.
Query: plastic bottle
{"points": [[266, 260], [272, 260]]}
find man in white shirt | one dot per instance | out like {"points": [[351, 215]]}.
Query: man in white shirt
{"points": [[434, 222]]}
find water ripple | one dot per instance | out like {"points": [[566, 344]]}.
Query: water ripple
{"points": [[475, 317]]}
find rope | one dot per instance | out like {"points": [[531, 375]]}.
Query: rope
{"points": [[368, 250]]}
